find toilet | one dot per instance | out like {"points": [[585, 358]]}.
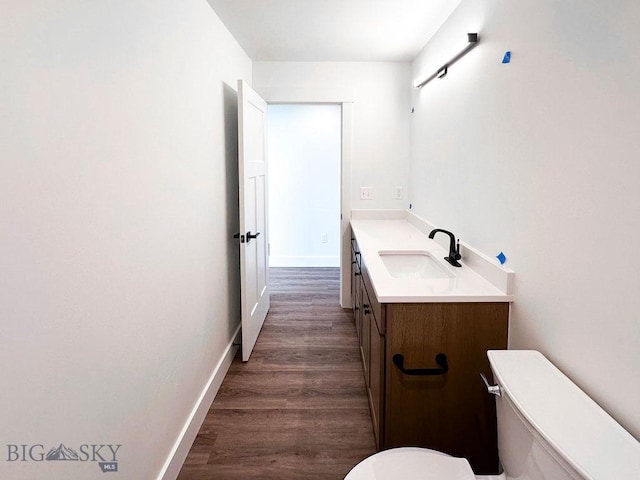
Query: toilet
{"points": [[548, 429]]}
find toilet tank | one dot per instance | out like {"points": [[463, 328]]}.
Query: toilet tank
{"points": [[549, 429]]}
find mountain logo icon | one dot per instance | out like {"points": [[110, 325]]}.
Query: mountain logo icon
{"points": [[62, 453]]}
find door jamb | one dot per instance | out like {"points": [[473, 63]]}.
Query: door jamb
{"points": [[344, 97]]}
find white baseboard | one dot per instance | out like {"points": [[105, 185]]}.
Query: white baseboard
{"points": [[178, 454]]}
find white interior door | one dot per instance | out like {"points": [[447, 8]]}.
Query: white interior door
{"points": [[254, 261]]}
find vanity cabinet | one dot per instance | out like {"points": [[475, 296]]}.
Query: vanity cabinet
{"points": [[425, 405]]}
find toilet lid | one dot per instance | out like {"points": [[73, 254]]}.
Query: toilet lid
{"points": [[411, 463]]}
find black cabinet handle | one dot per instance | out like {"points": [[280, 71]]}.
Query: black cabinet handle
{"points": [[250, 236], [241, 237], [441, 360]]}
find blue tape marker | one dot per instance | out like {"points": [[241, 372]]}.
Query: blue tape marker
{"points": [[501, 258], [507, 57]]}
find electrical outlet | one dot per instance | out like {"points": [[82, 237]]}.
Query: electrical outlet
{"points": [[324, 238], [366, 193], [399, 193]]}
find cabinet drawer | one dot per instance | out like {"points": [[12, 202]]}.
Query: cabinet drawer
{"points": [[376, 383], [374, 365], [376, 307], [355, 251]]}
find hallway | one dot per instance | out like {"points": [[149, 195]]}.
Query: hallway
{"points": [[297, 409]]}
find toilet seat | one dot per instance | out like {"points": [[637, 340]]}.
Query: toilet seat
{"points": [[411, 463]]}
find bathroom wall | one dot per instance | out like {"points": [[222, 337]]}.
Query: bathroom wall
{"points": [[538, 159], [381, 114], [119, 282]]}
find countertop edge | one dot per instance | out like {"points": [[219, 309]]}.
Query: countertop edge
{"points": [[448, 299]]}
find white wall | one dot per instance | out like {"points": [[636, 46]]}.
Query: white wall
{"points": [[118, 199], [538, 159], [381, 113], [304, 144]]}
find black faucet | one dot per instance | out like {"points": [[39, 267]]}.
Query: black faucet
{"points": [[454, 250]]}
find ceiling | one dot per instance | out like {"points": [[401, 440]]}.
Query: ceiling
{"points": [[333, 30]]}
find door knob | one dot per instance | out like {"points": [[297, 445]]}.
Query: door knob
{"points": [[250, 236]]}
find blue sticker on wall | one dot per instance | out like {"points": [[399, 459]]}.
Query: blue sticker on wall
{"points": [[507, 57], [501, 258]]}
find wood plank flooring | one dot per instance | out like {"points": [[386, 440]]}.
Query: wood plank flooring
{"points": [[298, 409]]}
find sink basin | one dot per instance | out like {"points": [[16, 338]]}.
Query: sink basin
{"points": [[413, 264]]}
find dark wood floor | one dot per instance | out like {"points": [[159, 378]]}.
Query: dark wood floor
{"points": [[298, 408]]}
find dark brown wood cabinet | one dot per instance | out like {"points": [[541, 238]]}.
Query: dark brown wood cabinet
{"points": [[450, 412], [356, 287]]}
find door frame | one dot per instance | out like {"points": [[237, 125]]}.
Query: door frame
{"points": [[345, 98], [293, 198]]}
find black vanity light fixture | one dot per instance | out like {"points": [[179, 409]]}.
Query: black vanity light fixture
{"points": [[472, 39]]}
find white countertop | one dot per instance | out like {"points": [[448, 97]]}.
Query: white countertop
{"points": [[466, 285]]}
